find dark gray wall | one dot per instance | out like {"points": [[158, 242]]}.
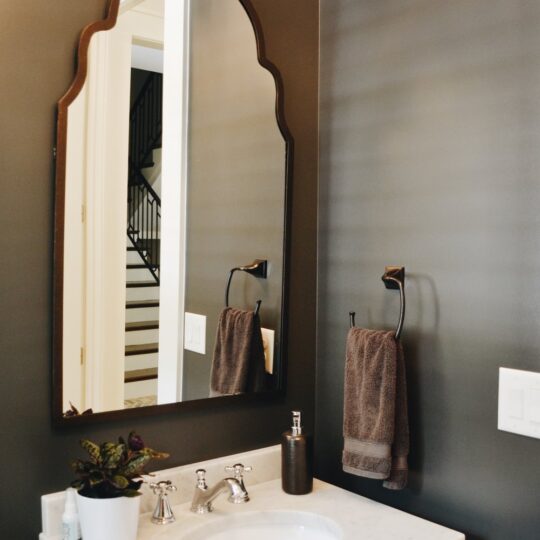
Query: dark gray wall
{"points": [[236, 178], [430, 130], [37, 41]]}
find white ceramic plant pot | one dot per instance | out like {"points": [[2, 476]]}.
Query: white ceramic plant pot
{"points": [[109, 519]]}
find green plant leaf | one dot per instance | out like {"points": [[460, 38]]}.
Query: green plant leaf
{"points": [[92, 449], [135, 465], [95, 478], [154, 454], [111, 454], [121, 482], [131, 493], [78, 466], [135, 484]]}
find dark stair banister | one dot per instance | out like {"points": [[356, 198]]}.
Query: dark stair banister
{"points": [[144, 205]]}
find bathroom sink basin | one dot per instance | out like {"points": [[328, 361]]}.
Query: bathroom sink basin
{"points": [[267, 525]]}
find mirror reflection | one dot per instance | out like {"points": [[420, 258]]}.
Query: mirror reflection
{"points": [[174, 212]]}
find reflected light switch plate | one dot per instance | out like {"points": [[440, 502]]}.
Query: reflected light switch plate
{"points": [[519, 402], [268, 337], [195, 333]]}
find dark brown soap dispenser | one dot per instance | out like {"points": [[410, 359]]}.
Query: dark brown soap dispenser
{"points": [[296, 459]]}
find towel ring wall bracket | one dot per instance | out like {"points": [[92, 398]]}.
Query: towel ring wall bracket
{"points": [[393, 278], [258, 268]]}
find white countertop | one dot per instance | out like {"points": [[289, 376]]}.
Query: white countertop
{"points": [[358, 517]]}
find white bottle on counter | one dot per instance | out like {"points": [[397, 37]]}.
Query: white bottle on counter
{"points": [[70, 518]]}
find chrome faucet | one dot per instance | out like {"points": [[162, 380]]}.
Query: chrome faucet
{"points": [[163, 513], [203, 496], [238, 469]]}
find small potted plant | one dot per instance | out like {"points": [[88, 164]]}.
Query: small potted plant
{"points": [[108, 487]]}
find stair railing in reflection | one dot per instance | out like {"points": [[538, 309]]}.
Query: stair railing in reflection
{"points": [[144, 205]]}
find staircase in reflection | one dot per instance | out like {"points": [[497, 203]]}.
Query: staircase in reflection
{"points": [[142, 332], [143, 245]]}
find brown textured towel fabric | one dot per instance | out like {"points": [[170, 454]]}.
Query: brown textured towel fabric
{"points": [[238, 364], [375, 423]]}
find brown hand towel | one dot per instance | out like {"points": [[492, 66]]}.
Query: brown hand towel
{"points": [[238, 364], [375, 423]]}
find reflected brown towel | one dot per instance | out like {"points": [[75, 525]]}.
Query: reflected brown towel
{"points": [[375, 423], [238, 364]]}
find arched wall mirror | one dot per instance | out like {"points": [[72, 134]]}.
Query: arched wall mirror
{"points": [[173, 162]]}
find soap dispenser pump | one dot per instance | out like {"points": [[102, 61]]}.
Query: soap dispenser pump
{"points": [[296, 459]]}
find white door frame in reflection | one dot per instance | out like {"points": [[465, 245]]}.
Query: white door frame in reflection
{"points": [[96, 166], [173, 206]]}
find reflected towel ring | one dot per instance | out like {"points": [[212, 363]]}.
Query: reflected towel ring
{"points": [[258, 268], [393, 278]]}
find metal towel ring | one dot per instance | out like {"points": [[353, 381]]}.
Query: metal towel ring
{"points": [[393, 278], [258, 268]]}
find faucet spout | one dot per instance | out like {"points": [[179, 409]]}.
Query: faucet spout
{"points": [[203, 496]]}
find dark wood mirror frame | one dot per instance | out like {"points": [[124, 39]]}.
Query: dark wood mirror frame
{"points": [[59, 219]]}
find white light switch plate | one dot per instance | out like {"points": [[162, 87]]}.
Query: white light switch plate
{"points": [[519, 402], [195, 333], [268, 337]]}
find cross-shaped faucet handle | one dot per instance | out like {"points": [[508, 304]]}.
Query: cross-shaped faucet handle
{"points": [[238, 469], [160, 488]]}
